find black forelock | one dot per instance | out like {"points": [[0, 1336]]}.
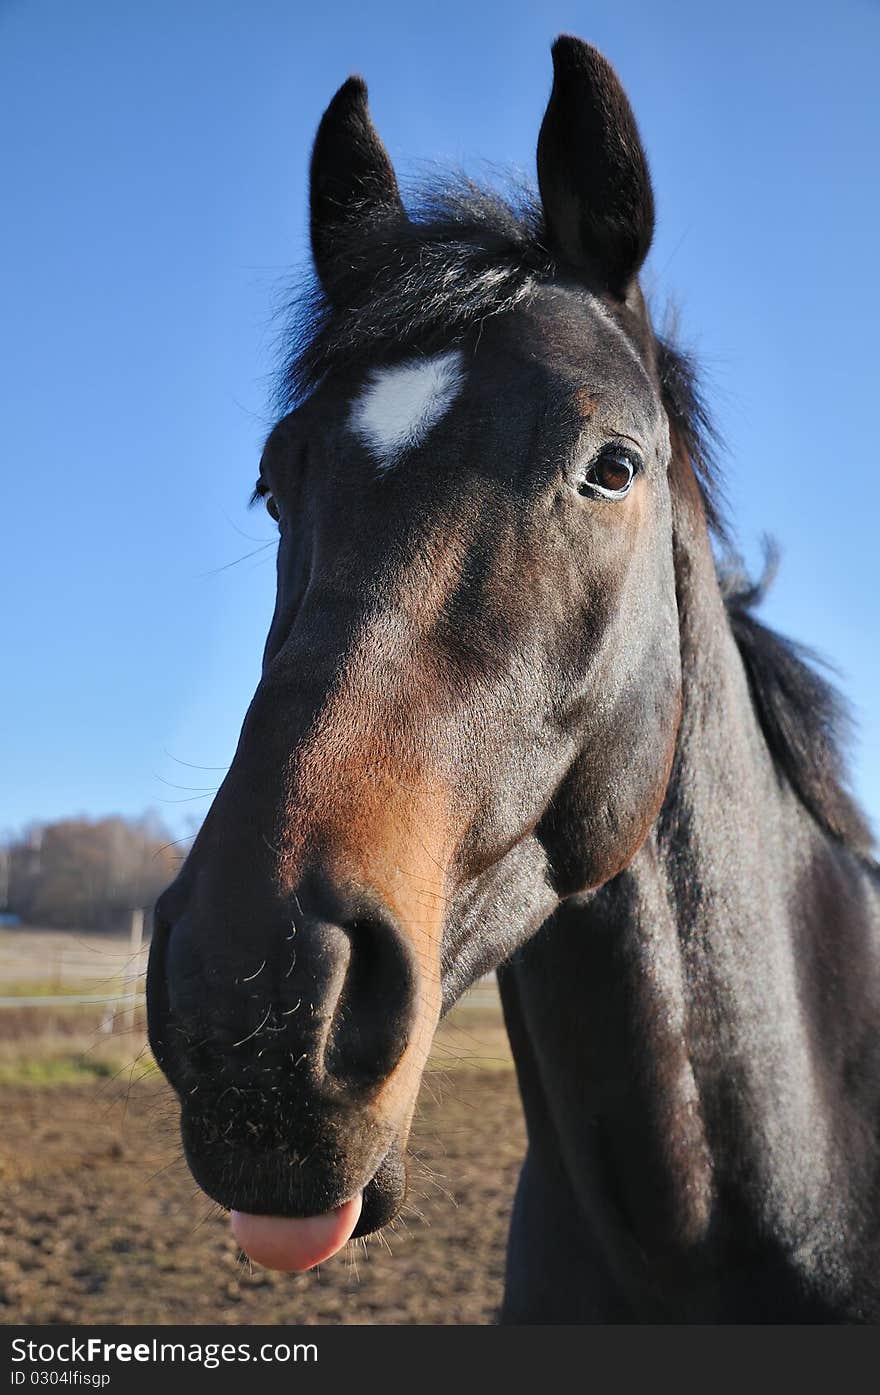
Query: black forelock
{"points": [[410, 282], [418, 281]]}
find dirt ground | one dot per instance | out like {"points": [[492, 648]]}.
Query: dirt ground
{"points": [[101, 1221]]}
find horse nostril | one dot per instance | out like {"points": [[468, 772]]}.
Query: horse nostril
{"points": [[158, 1007], [185, 972], [373, 1015], [341, 1009]]}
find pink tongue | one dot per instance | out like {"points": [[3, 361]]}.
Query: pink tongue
{"points": [[291, 1242]]}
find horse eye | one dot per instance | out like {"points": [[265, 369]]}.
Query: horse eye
{"points": [[611, 473], [272, 508]]}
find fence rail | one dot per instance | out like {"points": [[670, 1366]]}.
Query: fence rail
{"points": [[70, 999]]}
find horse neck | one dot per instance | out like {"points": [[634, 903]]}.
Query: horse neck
{"points": [[733, 846], [699, 1082], [769, 910]]}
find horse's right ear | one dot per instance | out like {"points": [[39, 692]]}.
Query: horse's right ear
{"points": [[593, 172], [352, 179]]}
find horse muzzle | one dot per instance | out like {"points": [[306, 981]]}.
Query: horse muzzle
{"points": [[296, 1050]]}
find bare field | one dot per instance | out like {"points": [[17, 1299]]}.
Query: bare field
{"points": [[103, 1223]]}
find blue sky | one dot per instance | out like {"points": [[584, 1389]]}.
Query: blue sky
{"points": [[153, 171]]}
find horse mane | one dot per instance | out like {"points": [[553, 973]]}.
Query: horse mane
{"points": [[805, 720], [463, 252]]}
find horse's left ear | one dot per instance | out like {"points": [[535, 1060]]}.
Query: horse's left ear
{"points": [[593, 173], [352, 179]]}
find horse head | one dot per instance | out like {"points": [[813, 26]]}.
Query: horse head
{"points": [[471, 684]]}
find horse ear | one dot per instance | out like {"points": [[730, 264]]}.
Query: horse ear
{"points": [[352, 179], [592, 171]]}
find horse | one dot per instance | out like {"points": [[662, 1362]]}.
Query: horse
{"points": [[516, 713]]}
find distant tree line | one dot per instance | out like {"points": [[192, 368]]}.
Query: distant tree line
{"points": [[87, 873]]}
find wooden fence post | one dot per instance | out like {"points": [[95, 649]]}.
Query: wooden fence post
{"points": [[133, 971]]}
